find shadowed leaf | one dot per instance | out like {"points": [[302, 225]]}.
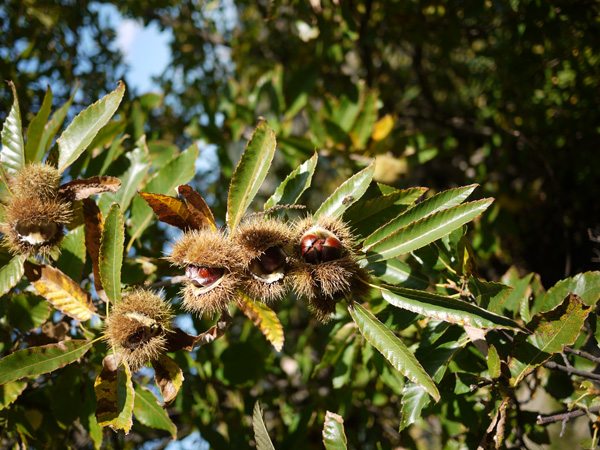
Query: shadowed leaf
{"points": [[60, 290], [114, 395], [9, 392]]}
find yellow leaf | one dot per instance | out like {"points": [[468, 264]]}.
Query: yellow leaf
{"points": [[264, 318], [382, 128], [60, 290], [115, 395]]}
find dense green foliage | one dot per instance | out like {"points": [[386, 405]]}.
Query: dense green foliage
{"points": [[467, 327]]}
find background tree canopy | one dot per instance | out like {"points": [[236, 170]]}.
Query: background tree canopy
{"points": [[440, 94]]}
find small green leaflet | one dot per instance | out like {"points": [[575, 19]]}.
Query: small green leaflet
{"points": [[34, 152], [150, 413], [250, 173], [290, 190], [334, 437], [261, 434]]}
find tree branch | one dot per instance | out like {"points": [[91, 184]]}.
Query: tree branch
{"points": [[572, 371], [582, 354], [566, 416]]}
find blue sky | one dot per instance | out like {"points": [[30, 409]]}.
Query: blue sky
{"points": [[145, 50]]}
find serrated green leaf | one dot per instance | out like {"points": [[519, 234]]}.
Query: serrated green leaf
{"points": [[12, 154], [261, 434], [446, 308], [72, 256], [290, 190], [424, 231], [11, 273], [521, 292], [345, 366], [443, 200], [131, 179], [250, 173], [334, 437], [36, 361], [178, 170], [82, 130], [585, 285], [392, 348], [414, 399], [34, 152], [26, 311], [346, 194], [551, 330], [150, 413], [493, 362], [396, 272], [115, 396], [111, 253]]}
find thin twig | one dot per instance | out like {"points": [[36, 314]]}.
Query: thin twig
{"points": [[566, 416], [571, 371], [582, 354], [169, 282]]}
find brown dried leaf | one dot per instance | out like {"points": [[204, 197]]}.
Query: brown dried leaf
{"points": [[80, 189], [94, 225], [60, 290], [197, 207], [169, 378], [180, 340], [170, 210]]}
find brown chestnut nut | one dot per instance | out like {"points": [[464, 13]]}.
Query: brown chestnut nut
{"points": [[331, 249], [204, 276], [317, 250], [272, 259]]}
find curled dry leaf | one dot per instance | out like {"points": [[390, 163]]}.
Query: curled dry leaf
{"points": [[170, 210], [198, 208], [169, 378], [265, 319], [60, 290], [80, 188]]}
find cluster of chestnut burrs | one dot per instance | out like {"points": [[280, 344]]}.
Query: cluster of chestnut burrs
{"points": [[267, 257], [263, 258]]}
